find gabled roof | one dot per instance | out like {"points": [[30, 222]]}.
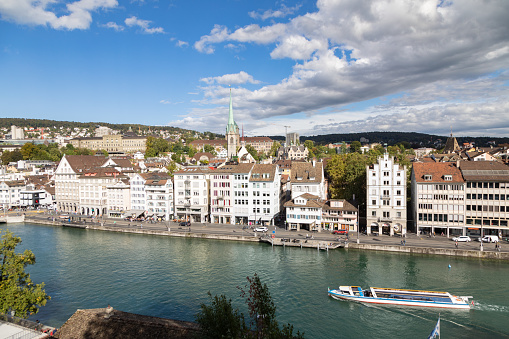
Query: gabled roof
{"points": [[311, 201], [437, 171], [260, 169], [347, 206], [80, 163], [239, 168], [305, 172]]}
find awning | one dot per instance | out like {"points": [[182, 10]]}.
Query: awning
{"points": [[133, 213]]}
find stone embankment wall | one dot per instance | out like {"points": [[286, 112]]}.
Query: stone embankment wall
{"points": [[433, 251], [310, 244]]}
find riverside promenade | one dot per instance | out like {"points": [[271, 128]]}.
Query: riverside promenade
{"points": [[278, 236]]}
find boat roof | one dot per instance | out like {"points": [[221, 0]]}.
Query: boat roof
{"points": [[381, 289]]}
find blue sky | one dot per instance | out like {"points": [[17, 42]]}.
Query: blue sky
{"points": [[327, 66]]}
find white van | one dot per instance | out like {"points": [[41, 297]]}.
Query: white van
{"points": [[490, 238]]}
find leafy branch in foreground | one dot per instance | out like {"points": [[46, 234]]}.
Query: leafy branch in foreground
{"points": [[18, 293], [221, 320]]}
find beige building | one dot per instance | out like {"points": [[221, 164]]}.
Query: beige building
{"points": [[112, 143]]}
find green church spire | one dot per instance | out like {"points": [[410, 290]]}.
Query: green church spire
{"points": [[232, 126]]}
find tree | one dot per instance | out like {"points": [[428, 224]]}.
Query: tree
{"points": [[355, 146], [221, 320], [273, 150], [17, 292], [309, 144], [13, 156], [29, 150], [252, 151], [210, 149]]}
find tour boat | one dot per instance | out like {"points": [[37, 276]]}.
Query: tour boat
{"points": [[402, 297]]}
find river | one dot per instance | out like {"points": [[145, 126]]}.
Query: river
{"points": [[169, 277]]}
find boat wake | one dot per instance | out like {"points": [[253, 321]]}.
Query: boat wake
{"points": [[485, 307]]}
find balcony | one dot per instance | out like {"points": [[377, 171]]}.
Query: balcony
{"points": [[384, 219], [385, 197]]}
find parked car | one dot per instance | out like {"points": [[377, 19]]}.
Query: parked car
{"points": [[489, 238], [185, 223], [340, 232], [462, 238], [261, 229]]}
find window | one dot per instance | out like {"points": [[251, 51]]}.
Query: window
{"points": [[373, 202], [373, 213], [428, 177], [448, 177]]}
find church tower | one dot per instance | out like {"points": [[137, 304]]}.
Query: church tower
{"points": [[232, 133]]}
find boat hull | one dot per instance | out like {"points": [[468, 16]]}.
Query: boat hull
{"points": [[399, 302]]}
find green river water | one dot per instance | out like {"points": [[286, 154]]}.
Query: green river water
{"points": [[169, 277]]}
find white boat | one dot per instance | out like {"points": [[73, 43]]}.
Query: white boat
{"points": [[402, 297]]}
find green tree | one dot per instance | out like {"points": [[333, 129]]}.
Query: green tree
{"points": [[17, 291], [309, 144], [221, 320], [355, 146], [9, 156], [29, 150], [210, 149], [275, 146], [252, 151]]}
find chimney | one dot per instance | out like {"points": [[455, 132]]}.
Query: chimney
{"points": [[314, 162], [458, 163]]}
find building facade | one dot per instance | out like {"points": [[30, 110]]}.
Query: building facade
{"points": [[386, 210], [192, 187], [438, 198]]}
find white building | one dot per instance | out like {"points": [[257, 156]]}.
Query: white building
{"points": [[438, 198], [34, 198], [307, 177], [191, 187], [264, 190], [119, 198], [229, 200], [17, 133], [304, 212], [138, 196], [10, 193], [93, 190], [386, 197], [159, 195], [67, 180]]}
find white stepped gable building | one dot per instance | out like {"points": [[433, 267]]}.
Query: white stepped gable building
{"points": [[386, 208]]}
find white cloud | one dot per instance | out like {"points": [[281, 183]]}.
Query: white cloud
{"points": [[231, 79], [280, 13], [114, 26], [217, 34], [181, 43], [143, 24], [32, 12], [352, 51]]}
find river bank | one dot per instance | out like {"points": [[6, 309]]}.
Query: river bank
{"points": [[281, 238]]}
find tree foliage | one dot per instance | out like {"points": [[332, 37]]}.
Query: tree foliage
{"points": [[252, 151], [221, 320], [11, 156], [273, 150], [17, 291]]}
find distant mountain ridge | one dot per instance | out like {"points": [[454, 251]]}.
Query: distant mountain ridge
{"points": [[391, 138]]}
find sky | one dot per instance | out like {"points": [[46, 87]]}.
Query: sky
{"points": [[311, 67]]}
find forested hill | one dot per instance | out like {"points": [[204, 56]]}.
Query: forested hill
{"points": [[38, 123], [392, 138]]}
